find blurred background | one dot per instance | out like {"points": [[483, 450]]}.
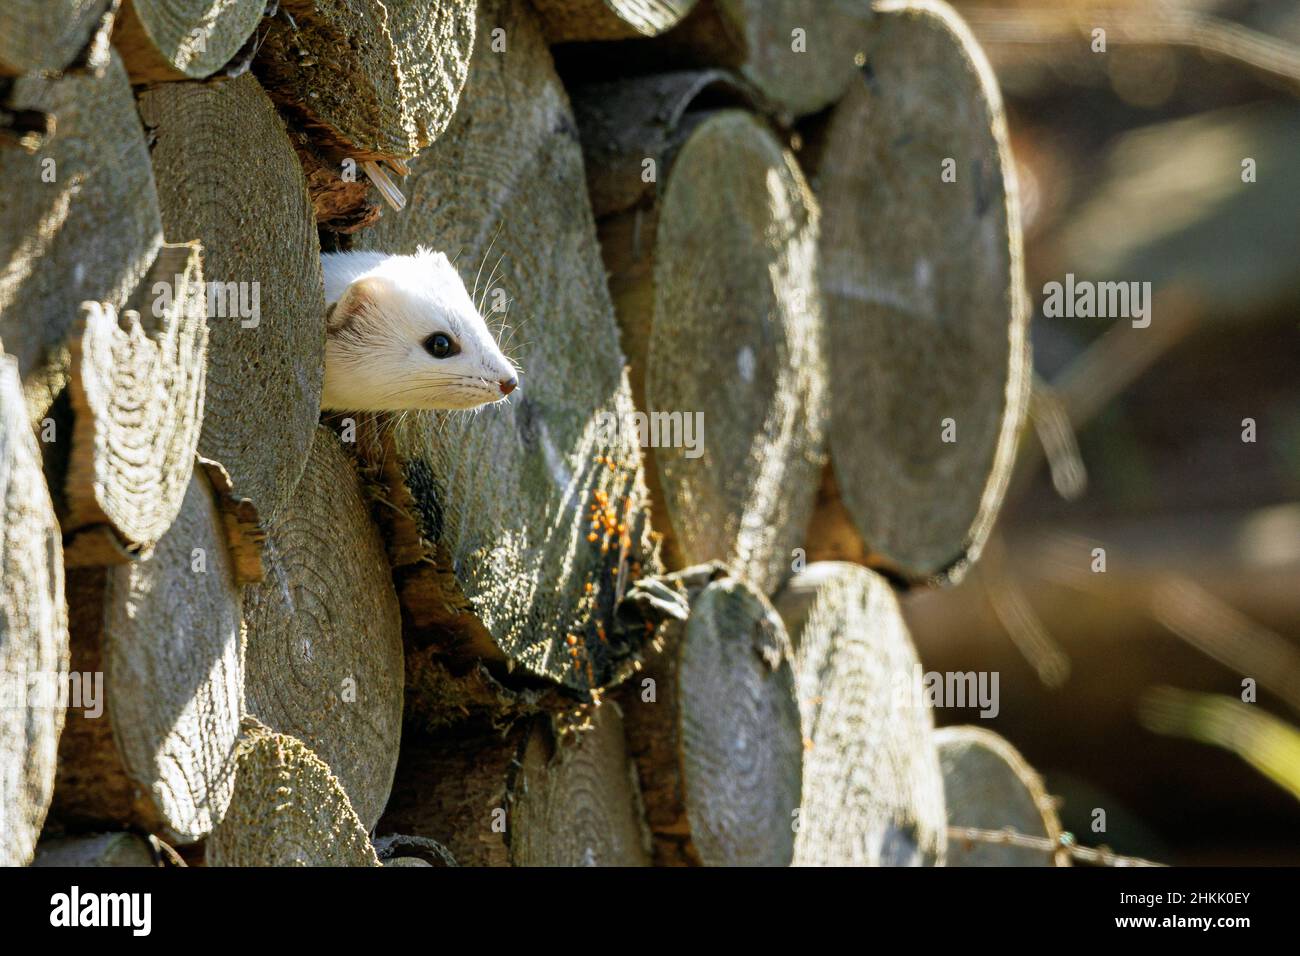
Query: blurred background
{"points": [[1125, 687]]}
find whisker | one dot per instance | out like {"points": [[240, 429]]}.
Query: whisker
{"points": [[477, 275], [429, 388], [491, 278]]}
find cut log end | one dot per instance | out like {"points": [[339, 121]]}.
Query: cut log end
{"points": [[166, 633], [800, 53], [137, 395], [726, 358], [250, 210], [162, 40], [713, 725], [532, 796], [797, 55], [370, 80], [90, 179], [324, 658], [576, 803], [989, 786], [288, 809], [923, 279], [33, 628], [872, 789]]}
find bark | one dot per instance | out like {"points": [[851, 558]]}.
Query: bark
{"points": [[532, 795], [755, 38], [371, 79], [713, 726], [714, 278], [136, 392], [89, 180], [166, 633], [92, 789], [343, 205], [249, 208], [399, 849], [33, 628], [288, 810], [567, 20], [49, 35], [872, 790], [523, 525], [624, 122], [325, 634], [989, 786], [241, 523], [925, 303], [455, 788], [162, 40]]}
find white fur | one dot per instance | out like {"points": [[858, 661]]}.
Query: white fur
{"points": [[375, 359]]}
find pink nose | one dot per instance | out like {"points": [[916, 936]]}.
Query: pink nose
{"points": [[508, 385]]}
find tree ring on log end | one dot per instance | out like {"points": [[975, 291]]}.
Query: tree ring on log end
{"points": [[872, 790], [33, 627], [261, 260], [924, 289], [137, 398], [163, 40], [741, 744], [173, 655], [324, 657], [372, 80], [736, 344], [713, 725], [575, 802]]}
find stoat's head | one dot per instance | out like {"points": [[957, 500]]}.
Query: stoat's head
{"points": [[404, 334]]}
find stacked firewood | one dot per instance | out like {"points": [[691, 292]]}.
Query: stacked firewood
{"points": [[759, 261]]}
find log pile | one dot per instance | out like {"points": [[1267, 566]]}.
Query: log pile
{"points": [[580, 627]]}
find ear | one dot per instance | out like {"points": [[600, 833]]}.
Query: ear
{"points": [[359, 298], [430, 257]]}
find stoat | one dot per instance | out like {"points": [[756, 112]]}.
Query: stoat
{"points": [[401, 332]]}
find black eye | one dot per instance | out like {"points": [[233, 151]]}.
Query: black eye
{"points": [[441, 346]]}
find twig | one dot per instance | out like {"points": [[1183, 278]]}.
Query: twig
{"points": [[1094, 856], [1056, 437], [1017, 616]]}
